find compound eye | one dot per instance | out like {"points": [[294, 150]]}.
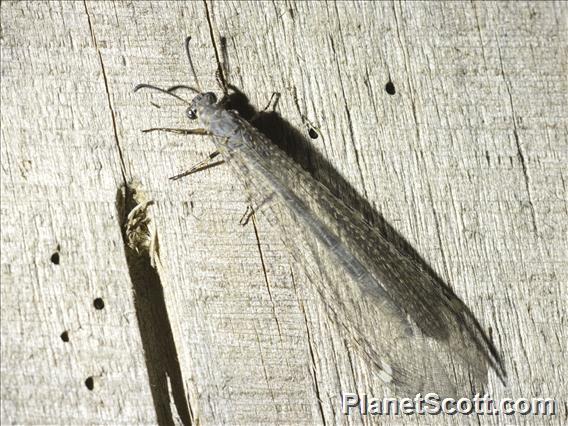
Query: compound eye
{"points": [[191, 113], [210, 97]]}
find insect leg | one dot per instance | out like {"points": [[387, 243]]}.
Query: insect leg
{"points": [[221, 81], [202, 132], [273, 101], [202, 165], [274, 97], [247, 215], [251, 209], [222, 72]]}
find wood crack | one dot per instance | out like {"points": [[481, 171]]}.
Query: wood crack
{"points": [[265, 275], [220, 71], [141, 249], [349, 120], [265, 371], [313, 372], [112, 113], [518, 145]]}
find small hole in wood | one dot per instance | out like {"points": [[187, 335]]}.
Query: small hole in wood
{"points": [[98, 303], [55, 258], [389, 87], [90, 383], [65, 336], [313, 134]]}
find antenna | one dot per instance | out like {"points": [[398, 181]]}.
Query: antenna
{"points": [[167, 92], [182, 86], [191, 68]]}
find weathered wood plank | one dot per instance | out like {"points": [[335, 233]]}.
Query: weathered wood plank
{"points": [[61, 244], [466, 162]]}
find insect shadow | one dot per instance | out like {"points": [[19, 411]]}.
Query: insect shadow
{"points": [[297, 145]]}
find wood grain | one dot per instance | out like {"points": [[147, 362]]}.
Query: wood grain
{"points": [[464, 165]]}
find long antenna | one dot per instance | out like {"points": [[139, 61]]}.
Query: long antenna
{"points": [[182, 86], [192, 69], [149, 86]]}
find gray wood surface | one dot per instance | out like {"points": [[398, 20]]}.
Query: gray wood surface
{"points": [[465, 163]]}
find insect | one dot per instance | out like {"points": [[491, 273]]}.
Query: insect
{"points": [[414, 312]]}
